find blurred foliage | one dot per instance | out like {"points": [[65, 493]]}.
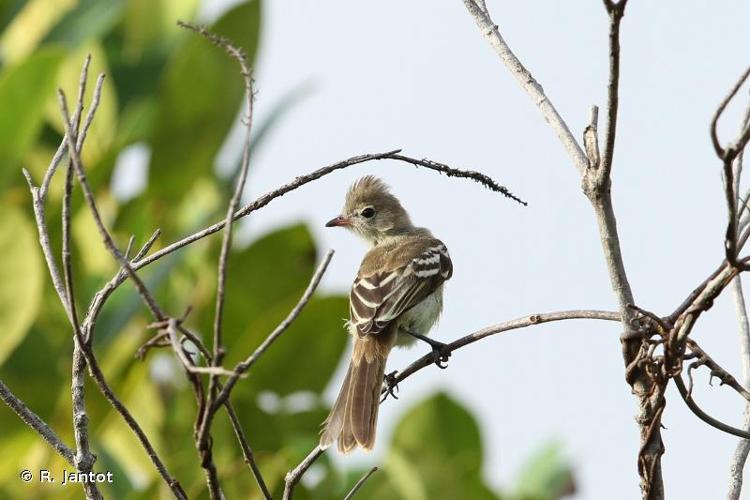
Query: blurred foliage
{"points": [[173, 94]]}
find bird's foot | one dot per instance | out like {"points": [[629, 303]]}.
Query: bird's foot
{"points": [[440, 354], [391, 385]]}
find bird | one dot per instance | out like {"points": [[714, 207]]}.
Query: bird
{"points": [[396, 298]]}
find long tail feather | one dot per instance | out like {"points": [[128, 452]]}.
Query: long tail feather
{"points": [[353, 418]]}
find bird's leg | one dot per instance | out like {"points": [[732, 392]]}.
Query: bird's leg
{"points": [[440, 352], [391, 385]]}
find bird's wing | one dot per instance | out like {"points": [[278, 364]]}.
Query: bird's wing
{"points": [[407, 275]]}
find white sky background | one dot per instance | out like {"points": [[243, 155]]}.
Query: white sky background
{"points": [[418, 75]]}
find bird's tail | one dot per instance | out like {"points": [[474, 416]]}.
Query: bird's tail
{"points": [[354, 415]]}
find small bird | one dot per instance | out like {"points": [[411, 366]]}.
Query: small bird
{"points": [[396, 298]]}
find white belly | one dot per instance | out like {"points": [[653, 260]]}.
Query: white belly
{"points": [[421, 318]]}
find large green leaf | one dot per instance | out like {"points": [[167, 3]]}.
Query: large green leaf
{"points": [[436, 453], [199, 99], [89, 20], [30, 25], [150, 24], [262, 280], [23, 110], [312, 345], [20, 277]]}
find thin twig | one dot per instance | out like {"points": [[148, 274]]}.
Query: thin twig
{"points": [[305, 179], [247, 452], [85, 459], [359, 483], [186, 363], [717, 371], [218, 349], [690, 402], [94, 368], [490, 31], [721, 152], [616, 11], [245, 365], [91, 202], [293, 476], [35, 422], [100, 298]]}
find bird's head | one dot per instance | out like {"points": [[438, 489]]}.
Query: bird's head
{"points": [[372, 211]]}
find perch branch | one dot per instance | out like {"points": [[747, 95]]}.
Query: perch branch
{"points": [[294, 475]]}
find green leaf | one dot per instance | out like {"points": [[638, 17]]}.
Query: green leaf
{"points": [[30, 25], [199, 99], [23, 110], [89, 20], [439, 441], [262, 280], [150, 24], [546, 476], [21, 278], [313, 345]]}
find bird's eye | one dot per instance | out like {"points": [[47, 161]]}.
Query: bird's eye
{"points": [[368, 212]]}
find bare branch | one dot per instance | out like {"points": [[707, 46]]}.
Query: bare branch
{"points": [[522, 322], [591, 138], [721, 152], [93, 365], [359, 483], [89, 197], [294, 475], [40, 217], [186, 363], [35, 422], [616, 11], [690, 402], [725, 378], [218, 349], [737, 464], [85, 459], [305, 179], [489, 29], [100, 298], [247, 452]]}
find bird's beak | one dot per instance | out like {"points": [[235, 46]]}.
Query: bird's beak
{"points": [[339, 221]]}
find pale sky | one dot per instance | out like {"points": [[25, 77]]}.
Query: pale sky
{"points": [[418, 75]]}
